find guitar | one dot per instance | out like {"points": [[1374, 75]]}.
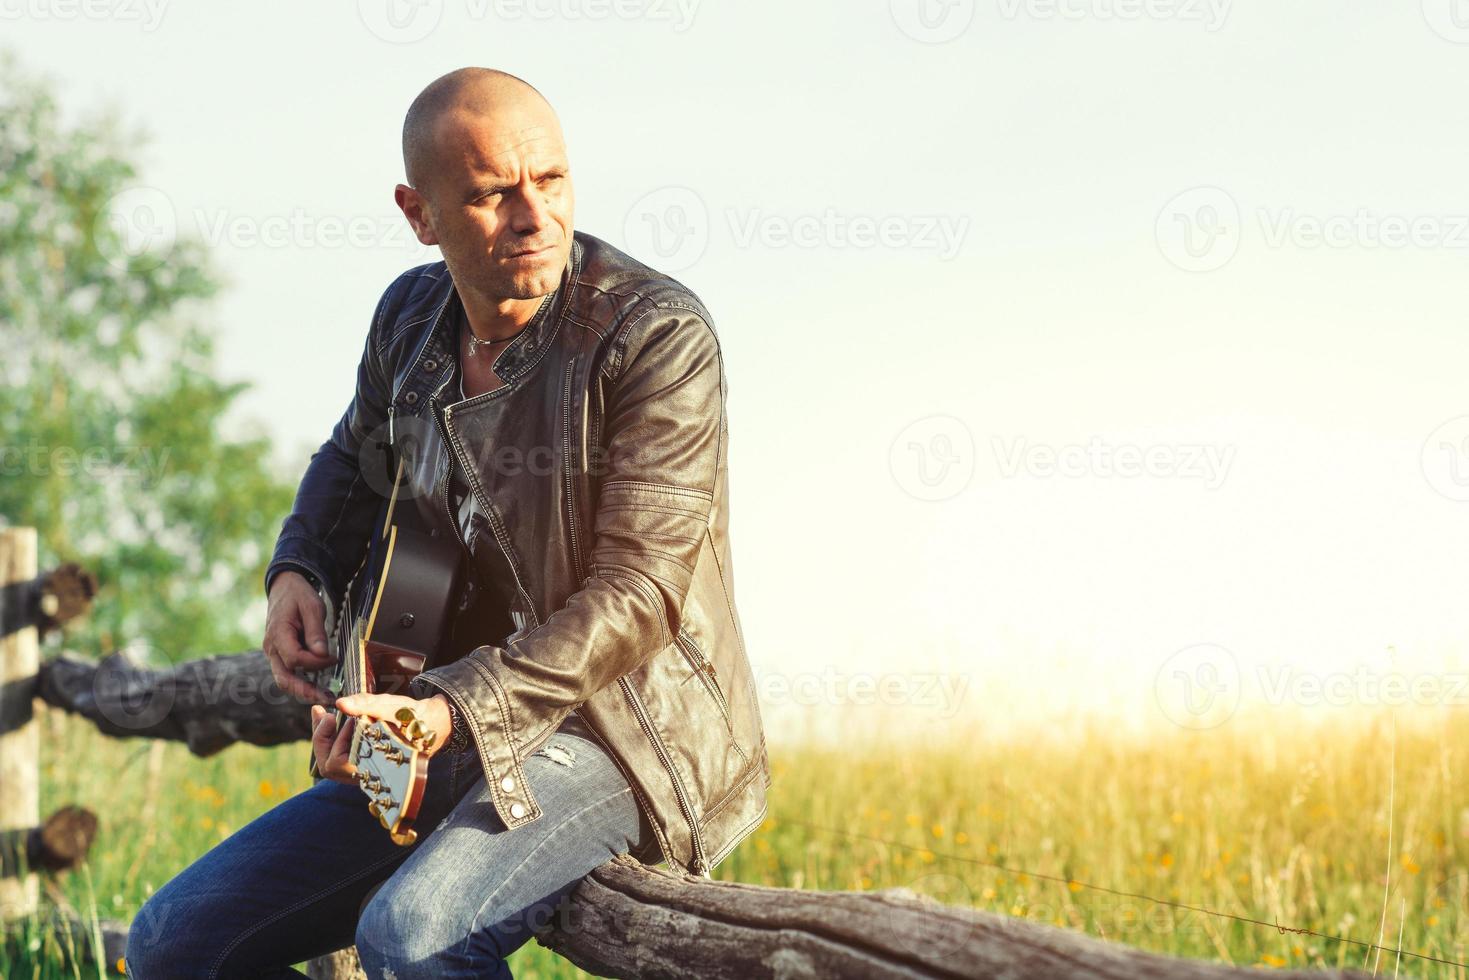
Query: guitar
{"points": [[395, 616]]}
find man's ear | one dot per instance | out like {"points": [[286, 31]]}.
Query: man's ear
{"points": [[416, 211]]}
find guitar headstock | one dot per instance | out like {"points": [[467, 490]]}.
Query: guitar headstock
{"points": [[391, 766]]}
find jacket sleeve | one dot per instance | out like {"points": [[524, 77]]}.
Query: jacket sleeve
{"points": [[664, 429], [330, 523]]}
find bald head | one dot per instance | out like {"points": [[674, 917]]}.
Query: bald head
{"points": [[490, 184], [482, 92]]}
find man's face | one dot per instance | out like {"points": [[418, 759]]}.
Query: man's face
{"points": [[499, 202]]}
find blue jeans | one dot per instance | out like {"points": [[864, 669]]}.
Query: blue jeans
{"points": [[317, 873]]}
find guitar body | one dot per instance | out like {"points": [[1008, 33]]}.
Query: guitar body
{"points": [[395, 618], [413, 607]]}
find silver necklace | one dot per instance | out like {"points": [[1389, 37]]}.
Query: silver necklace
{"points": [[475, 343]]}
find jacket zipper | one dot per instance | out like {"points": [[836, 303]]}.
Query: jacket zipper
{"points": [[576, 562], [500, 538], [701, 864], [449, 510], [705, 669]]}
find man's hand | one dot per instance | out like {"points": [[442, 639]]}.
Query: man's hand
{"points": [[295, 637], [332, 746], [433, 712]]}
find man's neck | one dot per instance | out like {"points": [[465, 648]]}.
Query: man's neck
{"points": [[492, 319]]}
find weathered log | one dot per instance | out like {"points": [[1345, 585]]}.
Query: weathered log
{"points": [[58, 844], [47, 601], [630, 920], [208, 704]]}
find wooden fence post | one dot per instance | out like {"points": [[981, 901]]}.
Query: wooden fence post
{"points": [[20, 735]]}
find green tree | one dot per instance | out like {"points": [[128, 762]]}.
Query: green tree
{"points": [[112, 439]]}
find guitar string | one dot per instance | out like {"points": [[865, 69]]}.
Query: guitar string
{"points": [[1369, 947]]}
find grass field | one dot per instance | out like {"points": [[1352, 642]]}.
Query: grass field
{"points": [[1280, 822]]}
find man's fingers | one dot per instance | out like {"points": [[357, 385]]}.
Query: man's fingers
{"points": [[323, 727], [291, 628], [343, 742], [313, 619], [340, 760], [285, 656]]}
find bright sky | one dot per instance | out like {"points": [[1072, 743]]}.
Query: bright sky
{"points": [[1099, 357]]}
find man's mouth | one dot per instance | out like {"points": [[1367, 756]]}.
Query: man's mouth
{"points": [[530, 252]]}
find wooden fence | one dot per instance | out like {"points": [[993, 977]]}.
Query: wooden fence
{"points": [[625, 920]]}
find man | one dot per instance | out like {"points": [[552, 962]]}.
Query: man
{"points": [[567, 412]]}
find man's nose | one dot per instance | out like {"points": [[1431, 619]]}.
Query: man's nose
{"points": [[531, 212]]}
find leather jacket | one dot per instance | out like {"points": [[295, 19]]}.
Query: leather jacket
{"points": [[599, 469]]}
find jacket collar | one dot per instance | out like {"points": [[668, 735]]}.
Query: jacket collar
{"points": [[431, 365], [522, 353]]}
